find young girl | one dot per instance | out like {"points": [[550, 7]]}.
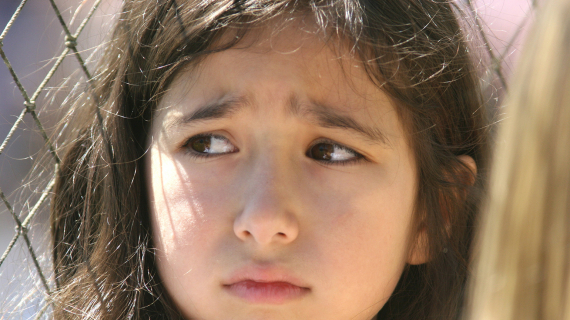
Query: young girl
{"points": [[272, 160], [523, 269]]}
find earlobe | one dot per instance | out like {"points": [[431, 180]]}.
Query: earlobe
{"points": [[471, 165], [419, 253]]}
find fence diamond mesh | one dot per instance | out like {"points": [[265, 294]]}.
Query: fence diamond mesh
{"points": [[24, 267]]}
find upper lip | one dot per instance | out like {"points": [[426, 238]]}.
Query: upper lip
{"points": [[264, 274]]}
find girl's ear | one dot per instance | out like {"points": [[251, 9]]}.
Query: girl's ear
{"points": [[419, 253], [471, 165]]}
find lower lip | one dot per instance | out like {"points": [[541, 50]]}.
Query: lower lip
{"points": [[266, 292]]}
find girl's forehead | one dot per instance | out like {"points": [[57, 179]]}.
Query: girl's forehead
{"points": [[294, 56], [290, 71], [299, 40]]}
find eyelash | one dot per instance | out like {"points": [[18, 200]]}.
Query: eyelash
{"points": [[199, 155]]}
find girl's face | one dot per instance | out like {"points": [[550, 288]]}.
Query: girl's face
{"points": [[281, 185]]}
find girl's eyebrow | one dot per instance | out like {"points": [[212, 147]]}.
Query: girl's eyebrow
{"points": [[221, 108], [322, 115], [327, 117]]}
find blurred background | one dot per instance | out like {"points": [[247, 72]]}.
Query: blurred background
{"points": [[32, 46]]}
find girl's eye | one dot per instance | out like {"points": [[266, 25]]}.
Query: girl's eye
{"points": [[333, 153], [209, 144]]}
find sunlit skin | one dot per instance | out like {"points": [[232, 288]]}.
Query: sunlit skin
{"points": [[289, 195]]}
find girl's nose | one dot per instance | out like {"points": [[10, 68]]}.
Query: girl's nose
{"points": [[268, 216]]}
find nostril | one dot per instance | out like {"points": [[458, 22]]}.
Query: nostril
{"points": [[265, 226], [244, 234]]}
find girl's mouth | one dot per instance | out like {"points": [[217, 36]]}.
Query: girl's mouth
{"points": [[273, 292], [265, 285]]}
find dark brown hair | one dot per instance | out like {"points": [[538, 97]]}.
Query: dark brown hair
{"points": [[412, 49]]}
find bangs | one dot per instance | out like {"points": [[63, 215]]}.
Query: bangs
{"points": [[399, 42]]}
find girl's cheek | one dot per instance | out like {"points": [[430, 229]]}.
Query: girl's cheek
{"points": [[178, 210]]}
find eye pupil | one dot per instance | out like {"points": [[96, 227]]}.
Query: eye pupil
{"points": [[201, 144], [322, 151]]}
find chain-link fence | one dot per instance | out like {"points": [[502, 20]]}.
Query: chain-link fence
{"points": [[25, 272]]}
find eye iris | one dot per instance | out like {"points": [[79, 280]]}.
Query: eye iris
{"points": [[201, 144], [322, 151]]}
